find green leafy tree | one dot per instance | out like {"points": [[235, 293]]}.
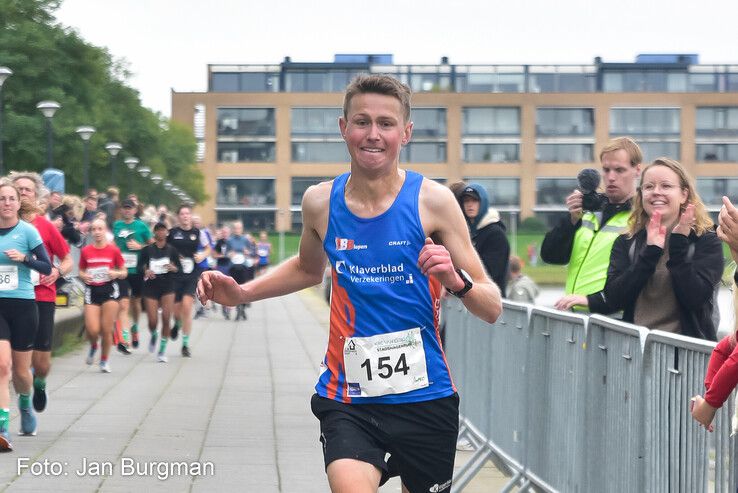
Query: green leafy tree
{"points": [[52, 62]]}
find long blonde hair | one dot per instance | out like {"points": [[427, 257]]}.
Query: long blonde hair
{"points": [[639, 219]]}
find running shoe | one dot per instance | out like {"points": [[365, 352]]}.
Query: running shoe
{"points": [[105, 367], [161, 358], [5, 445], [28, 422], [123, 349], [200, 313], [39, 398], [186, 352], [91, 356], [226, 313], [134, 340], [174, 332], [152, 343]]}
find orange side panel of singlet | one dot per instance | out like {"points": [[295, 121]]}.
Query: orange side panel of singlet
{"points": [[342, 325]]}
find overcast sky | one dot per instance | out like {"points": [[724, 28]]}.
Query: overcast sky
{"points": [[168, 43]]}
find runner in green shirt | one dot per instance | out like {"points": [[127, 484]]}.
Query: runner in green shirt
{"points": [[131, 235]]}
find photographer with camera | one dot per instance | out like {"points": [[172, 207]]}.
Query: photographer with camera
{"points": [[585, 237]]}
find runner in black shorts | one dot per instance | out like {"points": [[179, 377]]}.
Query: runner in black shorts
{"points": [[394, 239], [31, 188], [366, 432], [159, 262], [21, 249], [131, 235], [187, 240], [100, 267]]}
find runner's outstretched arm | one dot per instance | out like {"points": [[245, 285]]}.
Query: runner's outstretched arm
{"points": [[299, 272]]}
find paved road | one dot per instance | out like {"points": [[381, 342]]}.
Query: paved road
{"points": [[235, 417]]}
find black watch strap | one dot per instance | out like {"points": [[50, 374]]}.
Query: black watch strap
{"points": [[467, 284]]}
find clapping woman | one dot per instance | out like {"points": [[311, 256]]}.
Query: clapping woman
{"points": [[664, 270]]}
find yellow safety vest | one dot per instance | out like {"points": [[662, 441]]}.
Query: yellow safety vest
{"points": [[590, 254]]}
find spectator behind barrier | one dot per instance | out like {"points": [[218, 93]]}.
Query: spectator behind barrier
{"points": [[664, 270], [583, 239], [487, 233], [520, 287]]}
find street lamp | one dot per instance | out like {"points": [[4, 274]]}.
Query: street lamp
{"points": [[5, 72], [144, 171], [113, 149], [48, 108], [168, 185], [131, 162], [156, 179], [85, 134]]}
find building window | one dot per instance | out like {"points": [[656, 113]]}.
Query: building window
{"points": [[254, 122], [712, 190], [244, 82], [717, 121], [246, 192], [301, 183], [491, 134], [316, 137], [245, 152], [656, 130], [491, 153], [246, 135], [644, 81], [423, 152], [653, 150], [564, 122], [502, 192], [491, 121], [564, 153], [428, 122], [561, 82], [198, 126], [553, 191], [724, 153]]}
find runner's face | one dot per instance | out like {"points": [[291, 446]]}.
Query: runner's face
{"points": [[9, 203], [26, 189], [185, 218], [375, 130], [160, 235], [98, 229], [127, 213]]}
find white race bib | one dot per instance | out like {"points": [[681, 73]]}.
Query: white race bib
{"points": [[8, 277], [130, 259], [238, 258], [391, 363], [99, 274], [188, 264], [35, 277], [159, 265]]}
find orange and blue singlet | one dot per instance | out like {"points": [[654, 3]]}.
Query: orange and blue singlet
{"points": [[381, 300]]}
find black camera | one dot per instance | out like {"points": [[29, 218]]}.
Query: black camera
{"points": [[592, 200]]}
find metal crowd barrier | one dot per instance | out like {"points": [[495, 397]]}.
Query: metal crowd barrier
{"points": [[573, 403]]}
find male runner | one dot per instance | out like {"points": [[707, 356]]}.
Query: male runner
{"points": [[31, 188], [131, 235], [393, 239]]}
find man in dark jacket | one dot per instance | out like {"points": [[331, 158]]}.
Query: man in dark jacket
{"points": [[487, 233]]}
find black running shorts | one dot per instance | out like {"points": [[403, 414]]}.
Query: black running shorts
{"points": [[420, 438], [135, 281], [157, 287], [45, 333], [18, 322], [186, 284], [97, 295]]}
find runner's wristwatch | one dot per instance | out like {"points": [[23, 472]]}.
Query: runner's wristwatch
{"points": [[467, 284]]}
